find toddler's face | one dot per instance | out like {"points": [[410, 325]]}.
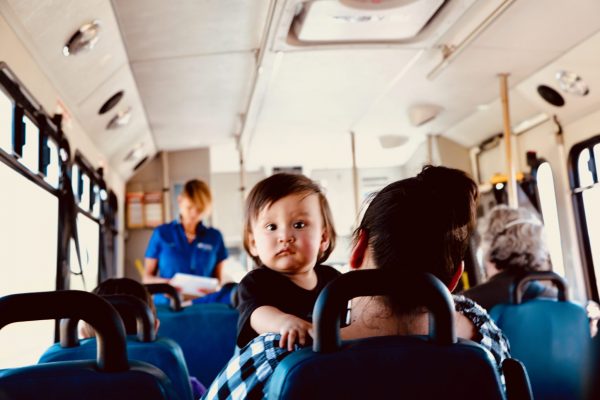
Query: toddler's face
{"points": [[288, 235]]}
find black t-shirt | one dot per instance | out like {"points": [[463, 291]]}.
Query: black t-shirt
{"points": [[265, 287]]}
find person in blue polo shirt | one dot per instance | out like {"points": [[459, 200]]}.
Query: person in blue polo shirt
{"points": [[186, 245]]}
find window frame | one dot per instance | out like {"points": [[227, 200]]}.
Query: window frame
{"points": [[579, 210]]}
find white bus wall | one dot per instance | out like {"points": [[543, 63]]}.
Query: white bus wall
{"points": [[444, 152], [14, 53]]}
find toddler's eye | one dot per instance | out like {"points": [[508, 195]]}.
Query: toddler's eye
{"points": [[299, 225], [270, 227]]}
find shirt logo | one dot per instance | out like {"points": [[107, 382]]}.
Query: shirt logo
{"points": [[205, 246]]}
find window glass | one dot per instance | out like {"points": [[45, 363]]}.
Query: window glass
{"points": [[86, 277], [28, 252], [545, 184], [32, 145], [597, 157], [6, 122], [96, 198], [591, 200], [84, 203], [585, 175], [75, 181], [53, 170]]}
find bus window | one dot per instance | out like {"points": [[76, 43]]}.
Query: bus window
{"points": [[95, 201], [547, 197], [28, 252], [583, 169], [84, 190], [6, 122], [86, 276], [584, 161], [31, 146], [52, 170], [591, 200]]}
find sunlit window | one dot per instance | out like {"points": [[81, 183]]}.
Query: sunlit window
{"points": [[28, 243], [96, 201], [583, 169], [84, 202], [32, 145], [547, 194], [597, 157], [6, 122], [75, 182], [591, 206], [85, 276], [53, 168]]}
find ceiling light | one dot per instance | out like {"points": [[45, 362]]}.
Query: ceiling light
{"points": [[572, 83], [121, 119], [111, 102], [135, 153], [84, 39], [391, 141]]}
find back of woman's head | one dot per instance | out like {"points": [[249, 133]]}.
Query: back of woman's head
{"points": [[514, 239], [422, 223]]}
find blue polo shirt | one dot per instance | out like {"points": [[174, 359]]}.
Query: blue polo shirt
{"points": [[174, 253]]}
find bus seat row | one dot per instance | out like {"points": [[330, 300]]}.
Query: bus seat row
{"points": [[110, 376], [551, 338], [205, 332], [428, 367], [163, 353]]}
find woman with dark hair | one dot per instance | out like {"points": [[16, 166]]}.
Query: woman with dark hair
{"points": [[513, 244], [420, 224]]}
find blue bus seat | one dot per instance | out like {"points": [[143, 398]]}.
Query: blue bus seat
{"points": [[206, 334], [109, 376], [434, 366], [552, 339], [163, 353]]}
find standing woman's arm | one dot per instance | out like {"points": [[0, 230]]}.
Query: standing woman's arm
{"points": [[150, 272]]}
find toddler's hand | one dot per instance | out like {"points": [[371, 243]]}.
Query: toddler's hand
{"points": [[294, 329]]}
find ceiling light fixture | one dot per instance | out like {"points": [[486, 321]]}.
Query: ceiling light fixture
{"points": [[572, 83], [85, 38], [121, 119]]}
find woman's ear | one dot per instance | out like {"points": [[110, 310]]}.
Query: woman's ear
{"points": [[357, 256], [456, 277]]}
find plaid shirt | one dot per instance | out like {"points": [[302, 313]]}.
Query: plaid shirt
{"points": [[246, 374]]}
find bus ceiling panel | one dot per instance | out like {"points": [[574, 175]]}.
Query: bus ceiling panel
{"points": [[109, 141], [76, 76], [329, 91], [155, 29], [194, 101], [485, 119], [582, 60]]}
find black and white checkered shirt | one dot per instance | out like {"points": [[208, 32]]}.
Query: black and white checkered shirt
{"points": [[246, 374]]}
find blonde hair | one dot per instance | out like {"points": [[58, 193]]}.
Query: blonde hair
{"points": [[199, 193]]}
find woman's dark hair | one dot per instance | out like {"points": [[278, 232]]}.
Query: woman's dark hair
{"points": [[276, 187], [421, 224]]}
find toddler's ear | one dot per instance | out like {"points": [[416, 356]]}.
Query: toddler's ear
{"points": [[252, 245]]}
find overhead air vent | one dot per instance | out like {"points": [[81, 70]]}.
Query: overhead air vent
{"points": [[320, 21]]}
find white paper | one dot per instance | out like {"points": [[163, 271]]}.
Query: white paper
{"points": [[193, 284]]}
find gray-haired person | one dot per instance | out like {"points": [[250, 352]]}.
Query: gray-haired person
{"points": [[513, 243]]}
